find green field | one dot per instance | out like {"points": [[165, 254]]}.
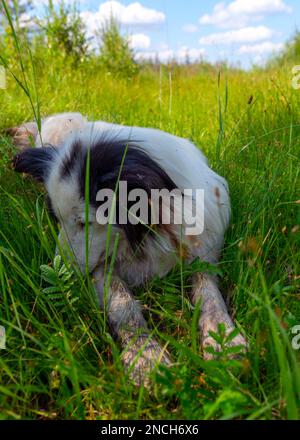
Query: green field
{"points": [[60, 360]]}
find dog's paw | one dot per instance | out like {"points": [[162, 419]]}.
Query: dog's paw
{"points": [[214, 348], [142, 357]]}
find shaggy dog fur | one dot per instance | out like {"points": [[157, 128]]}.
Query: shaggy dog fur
{"points": [[143, 158]]}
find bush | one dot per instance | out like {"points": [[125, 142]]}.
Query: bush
{"points": [[65, 31], [115, 53]]}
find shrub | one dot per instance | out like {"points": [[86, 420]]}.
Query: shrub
{"points": [[65, 32], [115, 53]]}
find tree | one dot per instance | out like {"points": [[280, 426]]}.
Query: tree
{"points": [[65, 31], [115, 52]]}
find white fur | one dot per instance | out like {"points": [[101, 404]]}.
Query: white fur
{"points": [[181, 160], [56, 128]]}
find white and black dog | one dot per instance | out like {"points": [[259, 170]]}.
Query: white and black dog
{"points": [[145, 159]]}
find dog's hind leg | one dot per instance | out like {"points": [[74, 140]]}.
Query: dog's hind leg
{"points": [[25, 135], [141, 352], [213, 312]]}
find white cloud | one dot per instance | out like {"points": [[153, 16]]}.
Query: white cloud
{"points": [[162, 46], [259, 6], [26, 21], [239, 13], [133, 14], [244, 35], [139, 41], [260, 49], [166, 55], [193, 54], [57, 2], [190, 28]]}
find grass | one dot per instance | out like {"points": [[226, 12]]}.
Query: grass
{"points": [[60, 360]]}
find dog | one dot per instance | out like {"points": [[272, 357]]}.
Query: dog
{"points": [[75, 159]]}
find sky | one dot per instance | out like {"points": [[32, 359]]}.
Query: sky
{"points": [[240, 31]]}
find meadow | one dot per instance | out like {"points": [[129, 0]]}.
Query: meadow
{"points": [[60, 361]]}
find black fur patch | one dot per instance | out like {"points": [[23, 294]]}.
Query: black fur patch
{"points": [[35, 161], [75, 155], [139, 170]]}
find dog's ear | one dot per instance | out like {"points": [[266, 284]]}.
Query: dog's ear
{"points": [[35, 161]]}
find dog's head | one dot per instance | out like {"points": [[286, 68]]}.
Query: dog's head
{"points": [[64, 171]]}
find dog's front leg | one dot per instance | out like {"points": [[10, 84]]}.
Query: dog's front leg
{"points": [[141, 353], [213, 312]]}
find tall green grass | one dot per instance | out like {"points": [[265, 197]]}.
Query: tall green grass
{"points": [[27, 79], [60, 360]]}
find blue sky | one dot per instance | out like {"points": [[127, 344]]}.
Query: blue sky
{"points": [[241, 31]]}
